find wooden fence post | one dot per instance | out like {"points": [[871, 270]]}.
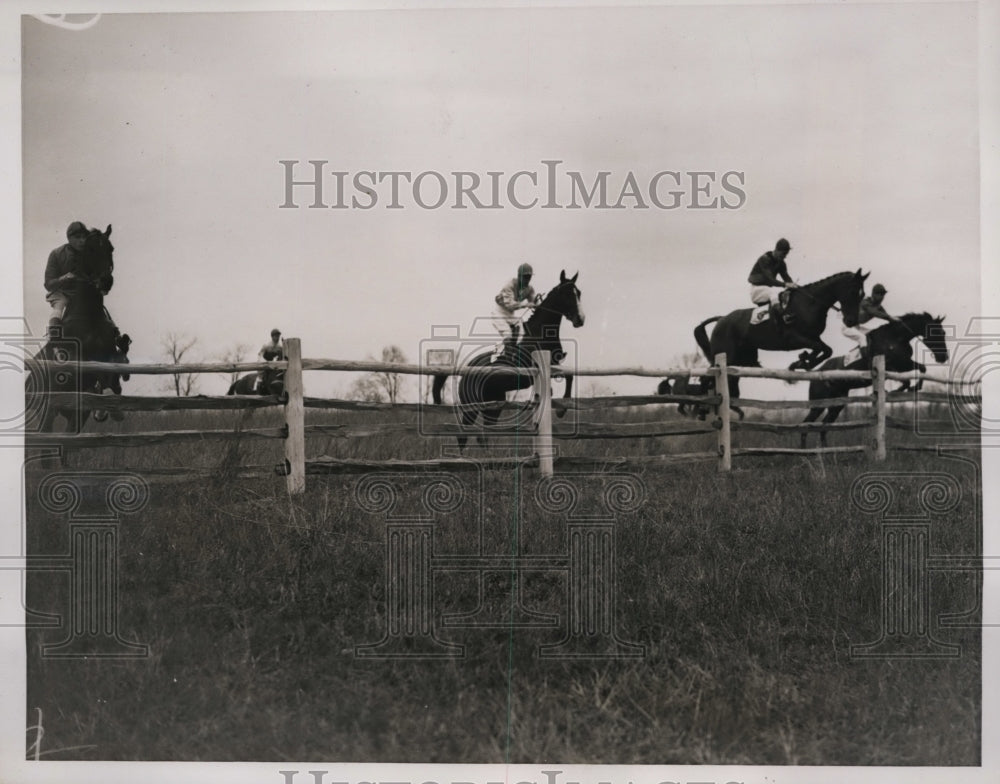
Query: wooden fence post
{"points": [[543, 434], [295, 444], [725, 435], [878, 383]]}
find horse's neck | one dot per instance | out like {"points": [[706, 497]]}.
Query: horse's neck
{"points": [[541, 332], [86, 303], [542, 325], [824, 292], [916, 324]]}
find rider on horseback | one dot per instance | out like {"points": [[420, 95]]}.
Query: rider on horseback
{"points": [[869, 309], [514, 297], [62, 273], [769, 280], [273, 351]]}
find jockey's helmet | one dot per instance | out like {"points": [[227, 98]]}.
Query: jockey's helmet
{"points": [[782, 244], [275, 333], [524, 270], [76, 227], [878, 288]]}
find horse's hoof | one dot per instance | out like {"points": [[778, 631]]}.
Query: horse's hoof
{"points": [[100, 416]]}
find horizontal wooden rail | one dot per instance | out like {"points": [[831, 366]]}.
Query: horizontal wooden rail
{"points": [[634, 461], [91, 402], [779, 405], [90, 440], [426, 370], [162, 475], [159, 368], [777, 450], [624, 401], [327, 465], [932, 397], [801, 427]]}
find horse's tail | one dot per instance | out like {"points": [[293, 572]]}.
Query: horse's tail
{"points": [[438, 385], [701, 337], [232, 389]]}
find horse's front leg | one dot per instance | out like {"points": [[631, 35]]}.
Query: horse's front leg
{"points": [[817, 352], [905, 366], [568, 393]]}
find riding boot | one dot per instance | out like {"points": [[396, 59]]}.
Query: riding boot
{"points": [[509, 349], [787, 317], [777, 317], [510, 345]]}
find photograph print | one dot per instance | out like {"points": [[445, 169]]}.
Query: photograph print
{"points": [[503, 385]]}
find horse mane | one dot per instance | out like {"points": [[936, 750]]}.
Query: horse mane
{"points": [[821, 281], [923, 316]]}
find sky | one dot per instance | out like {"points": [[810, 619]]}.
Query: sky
{"points": [[858, 144]]}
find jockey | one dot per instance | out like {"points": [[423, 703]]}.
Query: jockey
{"points": [[61, 274], [869, 309], [272, 351], [769, 278], [515, 296]]}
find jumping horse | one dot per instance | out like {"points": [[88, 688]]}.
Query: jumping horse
{"points": [[87, 334], [273, 383], [740, 337], [893, 341], [477, 393]]}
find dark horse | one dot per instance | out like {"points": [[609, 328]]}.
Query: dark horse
{"points": [[541, 333], [891, 340], [273, 383], [740, 340], [88, 334]]}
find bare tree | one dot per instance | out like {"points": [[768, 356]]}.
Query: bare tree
{"points": [[690, 360], [366, 389], [175, 346], [391, 383], [380, 387]]}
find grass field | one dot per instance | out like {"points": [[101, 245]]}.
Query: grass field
{"points": [[746, 591]]}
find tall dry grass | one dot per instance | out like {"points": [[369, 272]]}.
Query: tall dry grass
{"points": [[746, 590]]}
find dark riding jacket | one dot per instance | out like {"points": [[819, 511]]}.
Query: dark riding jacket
{"points": [[62, 260], [869, 310], [767, 270]]}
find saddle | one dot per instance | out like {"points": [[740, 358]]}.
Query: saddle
{"points": [[779, 312], [782, 315]]}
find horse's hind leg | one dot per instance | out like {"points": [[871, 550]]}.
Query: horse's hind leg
{"points": [[831, 417], [812, 416], [468, 419], [490, 419]]}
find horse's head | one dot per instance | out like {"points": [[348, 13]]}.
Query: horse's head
{"points": [[850, 292], [933, 336], [97, 259], [564, 299]]}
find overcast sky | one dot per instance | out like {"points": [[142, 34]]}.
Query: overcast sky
{"points": [[853, 131]]}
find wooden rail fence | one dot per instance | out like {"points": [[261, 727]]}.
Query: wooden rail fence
{"points": [[543, 432]]}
